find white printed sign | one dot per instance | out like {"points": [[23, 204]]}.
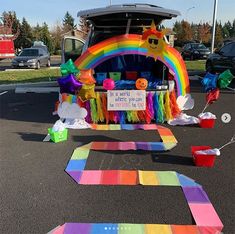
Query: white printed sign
{"points": [[122, 100]]}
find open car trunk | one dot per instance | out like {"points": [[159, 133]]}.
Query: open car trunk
{"points": [[126, 19]]}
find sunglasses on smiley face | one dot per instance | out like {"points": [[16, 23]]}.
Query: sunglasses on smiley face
{"points": [[152, 41]]}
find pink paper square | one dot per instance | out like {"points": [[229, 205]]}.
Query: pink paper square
{"points": [[91, 177], [205, 215], [129, 145]]}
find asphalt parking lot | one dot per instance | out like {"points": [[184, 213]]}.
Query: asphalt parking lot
{"points": [[37, 195]]}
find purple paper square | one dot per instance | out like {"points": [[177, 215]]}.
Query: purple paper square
{"points": [[142, 146], [76, 175], [77, 228], [195, 195]]}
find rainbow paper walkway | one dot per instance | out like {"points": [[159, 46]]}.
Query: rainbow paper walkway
{"points": [[203, 212]]}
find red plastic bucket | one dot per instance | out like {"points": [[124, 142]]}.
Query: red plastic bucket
{"points": [[202, 160], [206, 123], [131, 75]]}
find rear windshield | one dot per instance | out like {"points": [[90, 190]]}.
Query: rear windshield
{"points": [[198, 46], [100, 35], [32, 52]]}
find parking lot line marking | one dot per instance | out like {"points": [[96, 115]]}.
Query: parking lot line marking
{"points": [[3, 93]]}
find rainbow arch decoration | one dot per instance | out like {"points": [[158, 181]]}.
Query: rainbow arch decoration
{"points": [[131, 44], [206, 219]]}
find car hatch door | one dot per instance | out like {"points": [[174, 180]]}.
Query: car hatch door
{"points": [[72, 48]]}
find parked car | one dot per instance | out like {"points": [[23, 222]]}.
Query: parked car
{"points": [[195, 51], [32, 57], [222, 59]]}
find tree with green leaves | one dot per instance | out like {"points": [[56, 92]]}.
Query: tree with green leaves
{"points": [[183, 32], [26, 36], [68, 22], [42, 33], [218, 34]]}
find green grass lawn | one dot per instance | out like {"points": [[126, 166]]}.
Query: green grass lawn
{"points": [[196, 65], [24, 76], [46, 74]]}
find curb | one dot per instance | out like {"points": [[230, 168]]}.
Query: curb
{"points": [[8, 87]]}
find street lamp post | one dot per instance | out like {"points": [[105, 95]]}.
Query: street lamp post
{"points": [[214, 24], [190, 8]]}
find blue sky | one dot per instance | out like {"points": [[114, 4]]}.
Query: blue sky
{"points": [[51, 11]]}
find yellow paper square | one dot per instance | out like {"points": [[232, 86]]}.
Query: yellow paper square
{"points": [[148, 178]]}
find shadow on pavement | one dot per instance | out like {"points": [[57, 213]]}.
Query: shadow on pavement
{"points": [[172, 159], [31, 136]]}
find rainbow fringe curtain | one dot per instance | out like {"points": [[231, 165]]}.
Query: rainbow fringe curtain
{"points": [[159, 108]]}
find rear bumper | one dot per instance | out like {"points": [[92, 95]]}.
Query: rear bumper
{"points": [[201, 56], [24, 65]]}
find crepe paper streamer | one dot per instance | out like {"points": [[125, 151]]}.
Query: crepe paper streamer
{"points": [[104, 107], [86, 76], [161, 110], [141, 116], [68, 68], [209, 82], [156, 106], [94, 115], [122, 117], [167, 106], [88, 108], [225, 79], [150, 104], [69, 84], [130, 44], [99, 108], [175, 111], [153, 111]]}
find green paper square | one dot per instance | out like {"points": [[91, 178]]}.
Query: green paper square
{"points": [[168, 178], [80, 154], [115, 127], [130, 228]]}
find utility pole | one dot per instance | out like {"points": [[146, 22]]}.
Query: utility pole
{"points": [[110, 2], [214, 24]]}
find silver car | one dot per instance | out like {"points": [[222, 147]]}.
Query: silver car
{"points": [[32, 58]]}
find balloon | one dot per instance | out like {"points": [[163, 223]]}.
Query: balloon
{"points": [[68, 68], [108, 84], [69, 84], [87, 92], [212, 96], [86, 76], [209, 82], [141, 84], [225, 79]]}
